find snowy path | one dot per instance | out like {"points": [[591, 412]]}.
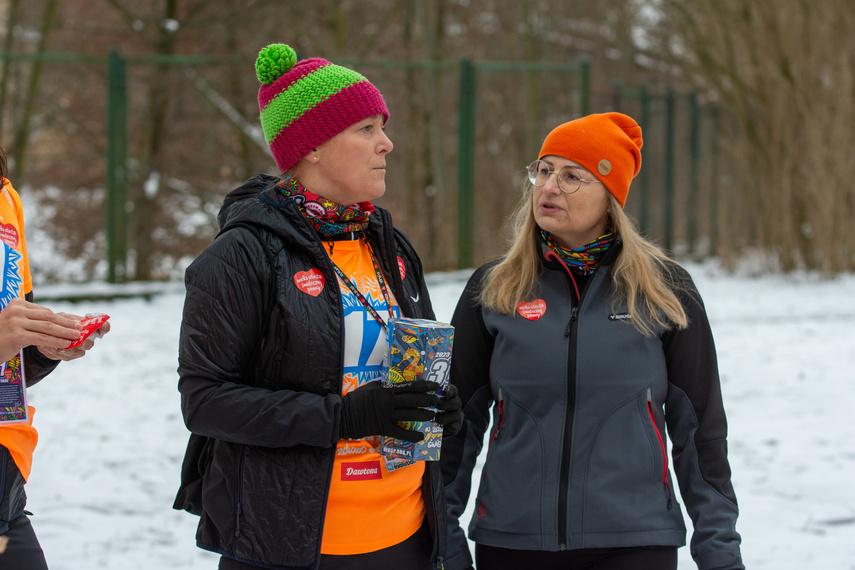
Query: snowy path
{"points": [[112, 439]]}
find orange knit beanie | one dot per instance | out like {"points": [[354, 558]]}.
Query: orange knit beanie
{"points": [[608, 145]]}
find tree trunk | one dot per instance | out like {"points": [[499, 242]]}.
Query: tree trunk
{"points": [[146, 189], [11, 21], [23, 135]]}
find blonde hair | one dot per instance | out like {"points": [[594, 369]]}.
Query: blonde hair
{"points": [[641, 272]]}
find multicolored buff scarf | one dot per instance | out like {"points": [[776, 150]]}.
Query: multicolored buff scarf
{"points": [[327, 217], [584, 260]]}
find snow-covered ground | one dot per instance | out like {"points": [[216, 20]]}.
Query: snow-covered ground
{"points": [[106, 468]]}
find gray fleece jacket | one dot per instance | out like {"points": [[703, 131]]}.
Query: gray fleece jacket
{"points": [[577, 455]]}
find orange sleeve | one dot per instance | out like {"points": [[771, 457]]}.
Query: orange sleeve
{"points": [[20, 440], [19, 213]]}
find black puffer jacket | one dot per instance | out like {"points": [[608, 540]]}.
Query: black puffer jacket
{"points": [[260, 365]]}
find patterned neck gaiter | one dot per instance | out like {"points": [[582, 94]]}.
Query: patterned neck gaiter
{"points": [[584, 260], [327, 217]]}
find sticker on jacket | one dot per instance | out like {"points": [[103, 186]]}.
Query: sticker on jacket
{"points": [[402, 269], [9, 235], [532, 310], [311, 281]]}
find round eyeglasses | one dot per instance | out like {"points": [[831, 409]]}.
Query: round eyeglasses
{"points": [[569, 177]]}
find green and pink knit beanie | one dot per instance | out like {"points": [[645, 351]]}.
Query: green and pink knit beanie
{"points": [[305, 103]]}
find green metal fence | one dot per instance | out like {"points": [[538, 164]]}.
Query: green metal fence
{"points": [[678, 187], [468, 127], [670, 179]]}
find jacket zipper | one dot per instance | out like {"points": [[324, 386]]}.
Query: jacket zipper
{"points": [[662, 448], [331, 271], [573, 314], [564, 477], [440, 561], [394, 277], [239, 478]]}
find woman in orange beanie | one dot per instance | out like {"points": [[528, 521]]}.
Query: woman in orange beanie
{"points": [[587, 342]]}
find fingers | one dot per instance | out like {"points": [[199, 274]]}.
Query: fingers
{"points": [[412, 415], [443, 418], [25, 324], [446, 418], [405, 434], [450, 400], [416, 400], [104, 329], [86, 339], [69, 316], [52, 326], [64, 354], [31, 324], [100, 331], [59, 325], [417, 386]]}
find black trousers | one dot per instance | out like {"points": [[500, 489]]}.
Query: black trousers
{"points": [[18, 542], [646, 558], [412, 554], [22, 547]]}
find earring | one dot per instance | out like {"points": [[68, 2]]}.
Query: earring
{"points": [[315, 158]]}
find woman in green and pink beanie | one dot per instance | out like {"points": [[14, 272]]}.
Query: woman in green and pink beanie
{"points": [[281, 349]]}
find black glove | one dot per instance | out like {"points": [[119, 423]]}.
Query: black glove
{"points": [[450, 415], [374, 410]]}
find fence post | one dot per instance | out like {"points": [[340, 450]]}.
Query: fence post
{"points": [[694, 170], [715, 180], [585, 87], [466, 165], [617, 98], [669, 169], [117, 153]]}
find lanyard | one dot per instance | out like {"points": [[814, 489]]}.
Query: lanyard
{"points": [[352, 286], [3, 182]]}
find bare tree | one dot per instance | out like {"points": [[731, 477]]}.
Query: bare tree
{"points": [[25, 115], [11, 22], [784, 71]]}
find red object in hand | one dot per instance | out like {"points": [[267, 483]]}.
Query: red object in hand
{"points": [[90, 325]]}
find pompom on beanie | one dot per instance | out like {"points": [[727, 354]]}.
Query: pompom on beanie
{"points": [[608, 145], [305, 103]]}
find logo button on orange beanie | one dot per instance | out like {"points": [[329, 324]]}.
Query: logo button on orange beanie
{"points": [[608, 145]]}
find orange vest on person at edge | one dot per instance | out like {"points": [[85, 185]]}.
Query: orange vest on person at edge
{"points": [[15, 281]]}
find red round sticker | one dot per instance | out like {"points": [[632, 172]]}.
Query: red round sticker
{"points": [[311, 281], [9, 236], [402, 268], [532, 310]]}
